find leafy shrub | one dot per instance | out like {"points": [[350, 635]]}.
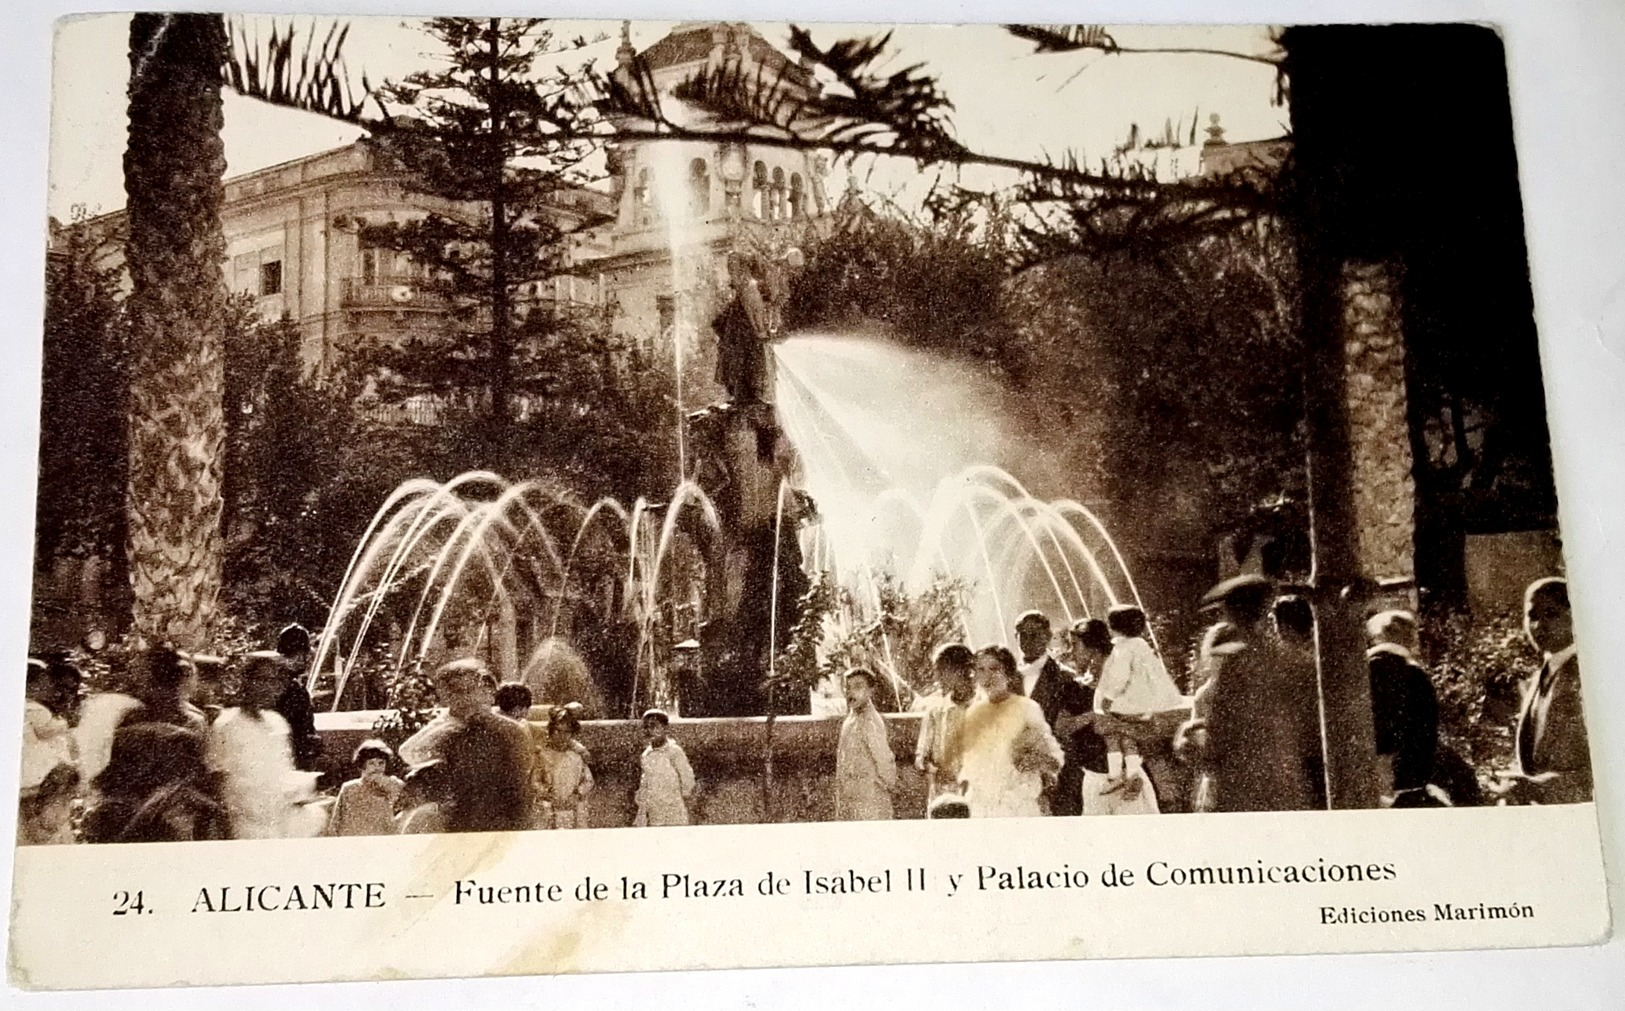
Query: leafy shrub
{"points": [[839, 630], [1477, 664]]}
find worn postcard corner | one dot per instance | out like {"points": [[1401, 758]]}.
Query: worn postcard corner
{"points": [[515, 494]]}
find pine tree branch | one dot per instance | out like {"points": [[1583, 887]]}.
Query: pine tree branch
{"points": [[863, 113]]}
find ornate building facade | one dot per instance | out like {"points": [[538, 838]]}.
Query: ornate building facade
{"points": [[650, 247], [681, 207]]}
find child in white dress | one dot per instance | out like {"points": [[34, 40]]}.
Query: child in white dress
{"points": [[249, 745], [1133, 683], [563, 777], [667, 781]]}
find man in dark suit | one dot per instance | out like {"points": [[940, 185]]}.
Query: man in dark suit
{"points": [[1065, 702], [1552, 760], [1404, 704]]}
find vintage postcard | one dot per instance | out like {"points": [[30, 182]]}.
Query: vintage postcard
{"points": [[525, 497]]}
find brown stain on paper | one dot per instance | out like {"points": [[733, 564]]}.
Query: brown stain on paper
{"points": [[543, 950]]}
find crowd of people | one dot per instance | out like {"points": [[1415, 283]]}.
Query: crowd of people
{"points": [[152, 764], [156, 759], [1091, 722], [1086, 722]]}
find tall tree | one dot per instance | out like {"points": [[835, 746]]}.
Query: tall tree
{"points": [[82, 463], [174, 163], [495, 133], [301, 476], [173, 167]]}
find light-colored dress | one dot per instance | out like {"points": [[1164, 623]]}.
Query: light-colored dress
{"points": [[1135, 682], [996, 786], [47, 743], [563, 781], [665, 786], [254, 755], [865, 768], [99, 719], [365, 808]]}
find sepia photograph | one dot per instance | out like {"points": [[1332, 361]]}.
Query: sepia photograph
{"points": [[505, 425]]}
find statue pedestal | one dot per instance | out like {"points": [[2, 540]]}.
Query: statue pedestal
{"points": [[754, 579]]}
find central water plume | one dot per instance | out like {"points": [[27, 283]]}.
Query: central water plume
{"points": [[924, 467]]}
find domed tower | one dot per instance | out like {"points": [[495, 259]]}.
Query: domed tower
{"points": [[742, 183], [683, 206]]}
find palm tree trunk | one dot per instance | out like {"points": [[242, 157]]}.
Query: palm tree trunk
{"points": [[173, 167]]}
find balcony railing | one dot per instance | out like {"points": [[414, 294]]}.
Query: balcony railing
{"points": [[391, 293]]}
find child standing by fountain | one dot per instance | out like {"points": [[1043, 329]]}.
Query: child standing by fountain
{"points": [[563, 777], [366, 804], [942, 726], [865, 768], [667, 781], [1135, 684]]}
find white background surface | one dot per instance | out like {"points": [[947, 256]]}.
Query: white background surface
{"points": [[1567, 82]]}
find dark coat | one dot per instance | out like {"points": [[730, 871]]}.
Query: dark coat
{"points": [[294, 706], [1551, 735], [1404, 716], [1263, 728], [1060, 692]]}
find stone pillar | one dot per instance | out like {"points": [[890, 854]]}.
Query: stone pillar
{"points": [[1362, 499], [1381, 482]]}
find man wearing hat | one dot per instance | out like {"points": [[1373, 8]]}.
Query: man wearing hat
{"points": [[1257, 732]]}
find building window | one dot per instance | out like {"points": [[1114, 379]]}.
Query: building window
{"points": [[699, 187], [759, 195], [271, 277], [644, 194], [798, 197], [666, 308], [778, 194]]}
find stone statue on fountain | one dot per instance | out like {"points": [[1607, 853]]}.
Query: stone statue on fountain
{"points": [[754, 577], [752, 320]]}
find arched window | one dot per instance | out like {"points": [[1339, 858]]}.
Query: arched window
{"points": [[699, 186], [798, 197], [778, 194], [643, 198], [760, 201]]}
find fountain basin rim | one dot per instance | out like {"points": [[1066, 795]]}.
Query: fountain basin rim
{"points": [[366, 719]]}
